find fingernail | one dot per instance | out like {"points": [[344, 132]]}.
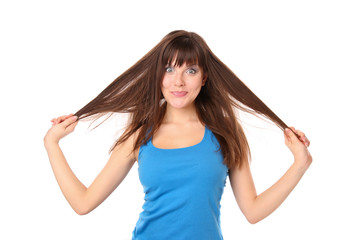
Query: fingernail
{"points": [[74, 118]]}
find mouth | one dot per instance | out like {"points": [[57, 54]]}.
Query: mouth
{"points": [[179, 94]]}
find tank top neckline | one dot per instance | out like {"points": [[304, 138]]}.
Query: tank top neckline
{"points": [[182, 148]]}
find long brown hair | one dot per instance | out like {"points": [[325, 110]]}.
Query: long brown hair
{"points": [[138, 92]]}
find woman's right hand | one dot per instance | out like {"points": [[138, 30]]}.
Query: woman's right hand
{"points": [[61, 127]]}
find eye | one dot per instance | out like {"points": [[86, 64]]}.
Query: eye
{"points": [[169, 69], [191, 71]]}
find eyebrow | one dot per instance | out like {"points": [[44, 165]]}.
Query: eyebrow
{"points": [[190, 65], [193, 65]]}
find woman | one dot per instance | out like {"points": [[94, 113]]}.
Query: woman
{"points": [[184, 134]]}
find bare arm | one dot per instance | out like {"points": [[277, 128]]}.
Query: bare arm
{"points": [[83, 199], [257, 207]]}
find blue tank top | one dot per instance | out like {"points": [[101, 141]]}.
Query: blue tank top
{"points": [[183, 188]]}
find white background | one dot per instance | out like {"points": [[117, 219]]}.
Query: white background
{"points": [[300, 57]]}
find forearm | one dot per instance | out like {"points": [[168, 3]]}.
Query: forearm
{"points": [[271, 199], [73, 190]]}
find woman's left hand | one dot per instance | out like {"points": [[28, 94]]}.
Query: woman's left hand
{"points": [[298, 147]]}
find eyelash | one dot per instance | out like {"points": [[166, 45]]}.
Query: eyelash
{"points": [[190, 69], [166, 68]]}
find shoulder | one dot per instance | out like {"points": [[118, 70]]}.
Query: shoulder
{"points": [[125, 149]]}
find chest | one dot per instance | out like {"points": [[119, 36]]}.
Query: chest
{"points": [[170, 138], [190, 168]]}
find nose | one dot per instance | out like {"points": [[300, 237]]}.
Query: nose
{"points": [[179, 81]]}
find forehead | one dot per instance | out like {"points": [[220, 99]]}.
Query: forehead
{"points": [[182, 50], [180, 58], [185, 64]]}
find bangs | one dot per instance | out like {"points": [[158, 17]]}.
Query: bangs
{"points": [[183, 50]]}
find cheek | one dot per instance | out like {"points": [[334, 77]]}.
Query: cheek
{"points": [[196, 84], [166, 83]]}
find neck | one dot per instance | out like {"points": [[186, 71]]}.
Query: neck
{"points": [[180, 115]]}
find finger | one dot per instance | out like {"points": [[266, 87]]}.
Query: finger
{"points": [[294, 131], [59, 119], [300, 133], [297, 133], [291, 135], [71, 127], [287, 133], [307, 142], [303, 138], [63, 118], [69, 121]]}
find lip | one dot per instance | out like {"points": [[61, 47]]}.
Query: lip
{"points": [[179, 94]]}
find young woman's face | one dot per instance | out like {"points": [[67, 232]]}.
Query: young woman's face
{"points": [[181, 85]]}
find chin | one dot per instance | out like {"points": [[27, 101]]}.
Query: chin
{"points": [[178, 105]]}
